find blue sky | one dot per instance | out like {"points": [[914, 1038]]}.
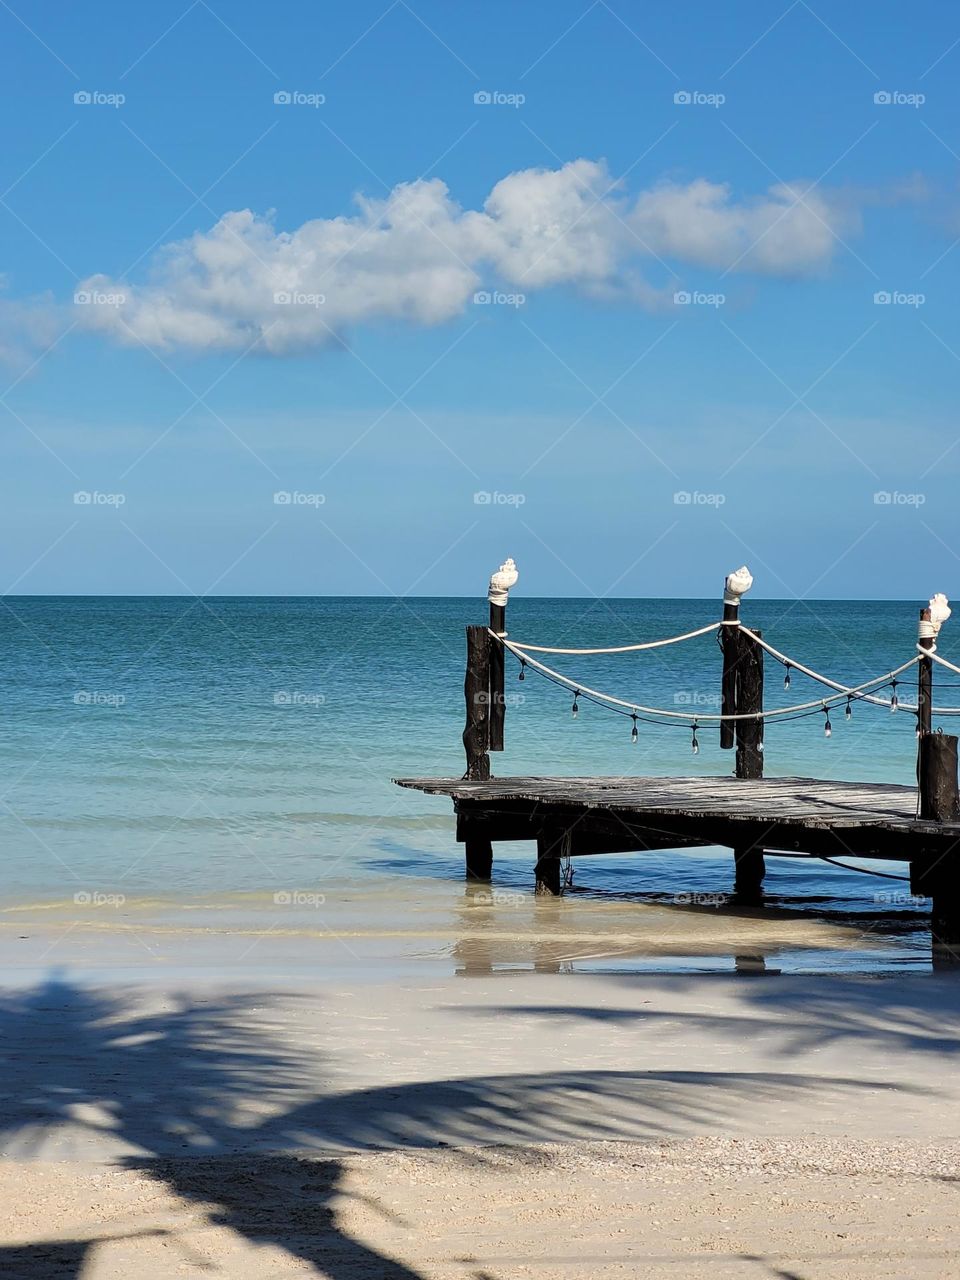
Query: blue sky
{"points": [[630, 442]]}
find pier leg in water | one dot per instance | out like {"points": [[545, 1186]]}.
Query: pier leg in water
{"points": [[550, 849], [945, 924], [749, 866], [479, 856], [477, 848], [938, 880], [750, 869]]}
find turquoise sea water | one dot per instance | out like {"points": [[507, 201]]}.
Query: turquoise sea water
{"points": [[228, 750]]}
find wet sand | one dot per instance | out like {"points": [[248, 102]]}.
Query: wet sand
{"points": [[437, 930]]}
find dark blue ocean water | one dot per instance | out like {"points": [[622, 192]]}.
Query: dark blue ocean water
{"points": [[183, 749]]}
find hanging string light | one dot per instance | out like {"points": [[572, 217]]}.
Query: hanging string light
{"points": [[786, 677], [658, 716]]}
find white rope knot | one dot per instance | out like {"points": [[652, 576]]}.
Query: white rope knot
{"points": [[927, 630]]}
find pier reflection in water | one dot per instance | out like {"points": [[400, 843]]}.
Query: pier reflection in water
{"points": [[504, 930]]}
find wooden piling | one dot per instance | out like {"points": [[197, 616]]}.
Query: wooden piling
{"points": [[477, 846], [476, 692], [551, 847], [734, 585], [498, 625], [937, 877], [479, 858], [937, 777], [749, 865], [728, 680], [478, 850], [749, 701], [925, 676]]}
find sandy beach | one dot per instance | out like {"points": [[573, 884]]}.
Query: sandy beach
{"points": [[491, 1127]]}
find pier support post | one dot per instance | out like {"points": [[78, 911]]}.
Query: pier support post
{"points": [[937, 777], [735, 585], [551, 847], [498, 594], [938, 799], [749, 865], [945, 918], [476, 693], [938, 879], [479, 858], [926, 640], [749, 870], [477, 847], [476, 737], [749, 702]]}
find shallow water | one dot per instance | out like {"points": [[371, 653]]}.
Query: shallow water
{"points": [[200, 760]]}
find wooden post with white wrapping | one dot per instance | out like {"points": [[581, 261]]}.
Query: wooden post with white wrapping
{"points": [[735, 585], [741, 694], [500, 583], [484, 696]]}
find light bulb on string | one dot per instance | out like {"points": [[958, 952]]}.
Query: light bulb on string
{"points": [[827, 726], [848, 711], [633, 732], [575, 709], [894, 700], [786, 677], [523, 669], [694, 744]]}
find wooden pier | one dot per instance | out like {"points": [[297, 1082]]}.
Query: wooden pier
{"points": [[752, 815]]}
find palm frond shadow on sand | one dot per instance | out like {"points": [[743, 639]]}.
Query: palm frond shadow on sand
{"points": [[206, 1097]]}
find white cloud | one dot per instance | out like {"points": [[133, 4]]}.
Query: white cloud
{"points": [[417, 256], [27, 327], [788, 231]]}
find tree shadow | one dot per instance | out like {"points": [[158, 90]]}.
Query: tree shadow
{"points": [[918, 1015], [166, 1089], [208, 1097]]}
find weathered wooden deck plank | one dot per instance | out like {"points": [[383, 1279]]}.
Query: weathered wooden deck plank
{"points": [[803, 802]]}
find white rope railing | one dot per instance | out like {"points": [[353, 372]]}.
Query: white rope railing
{"points": [[522, 650], [663, 712], [944, 662], [932, 653], [826, 681], [835, 684], [628, 648]]}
